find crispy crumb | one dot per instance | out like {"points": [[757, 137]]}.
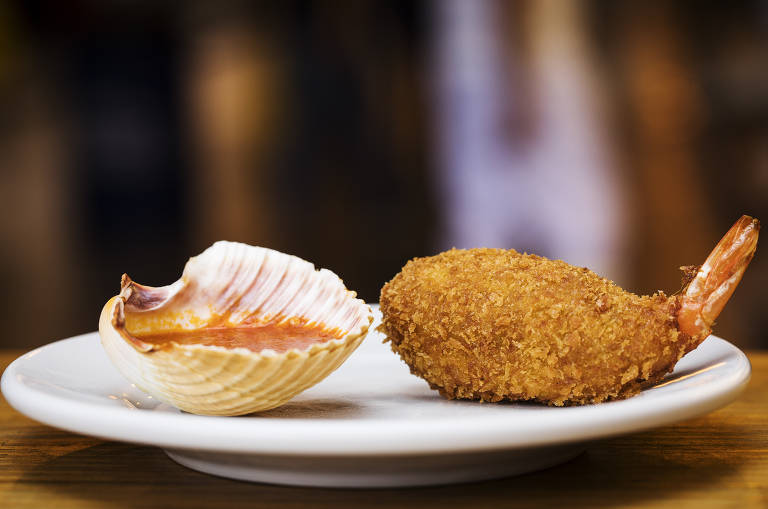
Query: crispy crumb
{"points": [[492, 325]]}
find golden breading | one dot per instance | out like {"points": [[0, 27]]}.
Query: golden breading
{"points": [[494, 324]]}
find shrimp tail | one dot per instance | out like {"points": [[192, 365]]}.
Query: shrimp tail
{"points": [[715, 281]]}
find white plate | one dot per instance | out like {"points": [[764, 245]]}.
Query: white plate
{"points": [[371, 423]]}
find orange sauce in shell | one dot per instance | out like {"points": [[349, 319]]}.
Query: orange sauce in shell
{"points": [[279, 338]]}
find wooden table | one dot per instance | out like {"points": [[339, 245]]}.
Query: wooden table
{"points": [[719, 460]]}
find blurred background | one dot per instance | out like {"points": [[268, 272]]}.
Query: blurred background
{"points": [[623, 136]]}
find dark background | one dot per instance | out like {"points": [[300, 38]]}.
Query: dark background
{"points": [[133, 134]]}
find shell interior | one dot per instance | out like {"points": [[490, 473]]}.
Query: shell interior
{"points": [[233, 287]]}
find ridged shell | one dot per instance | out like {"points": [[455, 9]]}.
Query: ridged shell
{"points": [[232, 284]]}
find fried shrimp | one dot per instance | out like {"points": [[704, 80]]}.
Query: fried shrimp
{"points": [[493, 324]]}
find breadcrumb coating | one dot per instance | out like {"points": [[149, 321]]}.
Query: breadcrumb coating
{"points": [[494, 324]]}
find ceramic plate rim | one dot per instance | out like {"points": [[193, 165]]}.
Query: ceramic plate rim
{"points": [[349, 437]]}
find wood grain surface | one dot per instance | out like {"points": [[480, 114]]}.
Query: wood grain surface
{"points": [[719, 460]]}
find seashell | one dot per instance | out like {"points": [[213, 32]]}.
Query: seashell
{"points": [[233, 288]]}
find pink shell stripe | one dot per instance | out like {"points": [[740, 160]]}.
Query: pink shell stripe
{"points": [[232, 283]]}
